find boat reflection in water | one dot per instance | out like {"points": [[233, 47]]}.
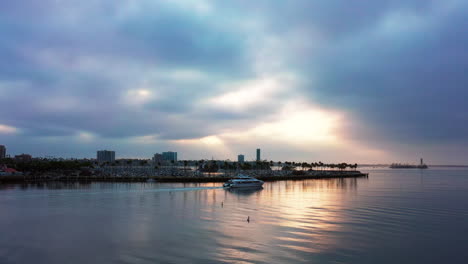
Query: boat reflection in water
{"points": [[246, 191]]}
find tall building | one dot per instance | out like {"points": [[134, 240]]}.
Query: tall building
{"points": [[157, 158], [258, 154], [169, 156], [2, 152], [105, 156], [240, 158]]}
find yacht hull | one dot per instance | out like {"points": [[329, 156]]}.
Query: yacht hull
{"points": [[243, 185]]}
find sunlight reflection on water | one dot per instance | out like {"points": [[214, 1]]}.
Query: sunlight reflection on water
{"points": [[412, 217]]}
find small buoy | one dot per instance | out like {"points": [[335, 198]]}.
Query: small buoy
{"points": [[248, 219]]}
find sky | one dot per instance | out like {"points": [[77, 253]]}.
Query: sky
{"points": [[374, 81]]}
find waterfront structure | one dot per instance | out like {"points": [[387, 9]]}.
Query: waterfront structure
{"points": [[23, 158], [408, 166], [240, 158], [2, 152], [169, 156], [258, 154], [105, 156]]}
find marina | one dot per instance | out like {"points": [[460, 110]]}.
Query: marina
{"points": [[261, 175]]}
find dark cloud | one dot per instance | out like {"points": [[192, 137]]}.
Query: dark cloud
{"points": [[408, 84], [183, 40], [396, 68], [333, 18], [47, 55]]}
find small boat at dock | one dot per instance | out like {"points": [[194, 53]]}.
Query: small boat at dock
{"points": [[243, 181]]}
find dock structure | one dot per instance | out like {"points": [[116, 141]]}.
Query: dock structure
{"points": [[264, 176]]}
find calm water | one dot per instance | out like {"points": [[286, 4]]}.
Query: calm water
{"points": [[394, 216]]}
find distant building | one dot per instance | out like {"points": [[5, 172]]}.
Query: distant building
{"points": [[258, 155], [169, 156], [2, 152], [23, 158], [105, 156], [157, 158], [240, 158]]}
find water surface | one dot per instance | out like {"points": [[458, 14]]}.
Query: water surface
{"points": [[394, 216]]}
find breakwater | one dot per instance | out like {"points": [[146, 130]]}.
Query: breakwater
{"points": [[217, 178]]}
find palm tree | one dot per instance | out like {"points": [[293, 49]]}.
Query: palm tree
{"points": [[185, 165], [172, 167], [342, 166]]}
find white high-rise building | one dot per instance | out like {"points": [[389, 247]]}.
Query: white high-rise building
{"points": [[105, 156]]}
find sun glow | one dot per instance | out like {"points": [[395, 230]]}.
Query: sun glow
{"points": [[85, 136], [209, 141], [296, 124], [250, 93], [4, 129], [138, 96], [303, 126]]}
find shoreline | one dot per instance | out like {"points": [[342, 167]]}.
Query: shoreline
{"points": [[177, 179]]}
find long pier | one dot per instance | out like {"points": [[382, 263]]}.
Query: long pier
{"points": [[316, 175]]}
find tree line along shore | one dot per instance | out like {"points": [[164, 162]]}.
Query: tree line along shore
{"points": [[181, 171]]}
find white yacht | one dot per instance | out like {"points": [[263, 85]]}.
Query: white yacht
{"points": [[242, 181]]}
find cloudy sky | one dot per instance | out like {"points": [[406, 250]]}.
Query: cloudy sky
{"points": [[356, 81]]}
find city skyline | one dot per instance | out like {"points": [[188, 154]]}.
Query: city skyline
{"points": [[372, 82], [107, 155]]}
